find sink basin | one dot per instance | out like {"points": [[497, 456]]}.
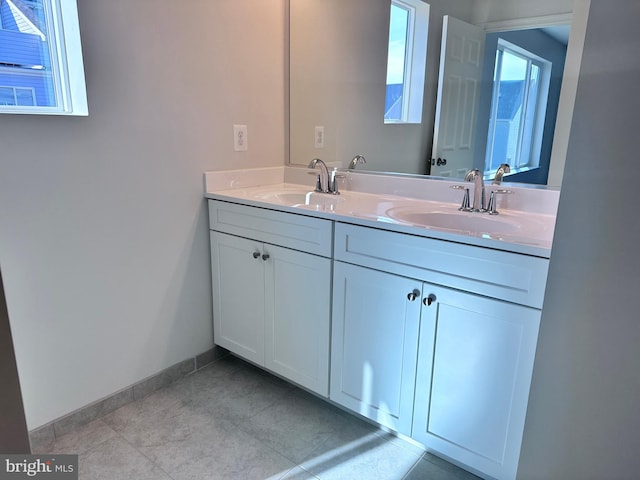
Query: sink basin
{"points": [[457, 221], [304, 199], [442, 219]]}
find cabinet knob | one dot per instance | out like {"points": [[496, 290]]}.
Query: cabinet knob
{"points": [[411, 296], [427, 301], [265, 256], [256, 254]]}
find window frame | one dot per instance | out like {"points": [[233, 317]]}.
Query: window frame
{"points": [[67, 66], [532, 160], [415, 58], [15, 94]]}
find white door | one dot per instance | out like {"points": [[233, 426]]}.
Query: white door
{"points": [[374, 344], [238, 295], [297, 316], [474, 371], [459, 80]]}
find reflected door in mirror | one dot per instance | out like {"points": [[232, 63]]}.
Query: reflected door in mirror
{"points": [[460, 76]]}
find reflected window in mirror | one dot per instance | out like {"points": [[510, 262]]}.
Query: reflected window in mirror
{"points": [[406, 61], [520, 91], [519, 103]]}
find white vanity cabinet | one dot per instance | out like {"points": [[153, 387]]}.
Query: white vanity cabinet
{"points": [[376, 320], [433, 339], [437, 340], [474, 370], [271, 290]]}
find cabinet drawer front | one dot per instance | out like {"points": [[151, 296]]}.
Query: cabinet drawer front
{"points": [[508, 276], [298, 232]]}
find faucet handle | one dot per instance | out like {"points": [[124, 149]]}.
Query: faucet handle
{"points": [[491, 209], [464, 207], [318, 187], [333, 181]]}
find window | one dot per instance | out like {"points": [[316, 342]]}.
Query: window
{"points": [[17, 96], [41, 69], [406, 59], [520, 90]]}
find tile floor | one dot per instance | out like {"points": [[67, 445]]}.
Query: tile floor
{"points": [[231, 420]]}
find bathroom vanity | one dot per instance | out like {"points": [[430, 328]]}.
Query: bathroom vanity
{"points": [[272, 290], [428, 331]]}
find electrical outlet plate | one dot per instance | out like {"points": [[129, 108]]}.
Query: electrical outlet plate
{"points": [[240, 138], [319, 137]]}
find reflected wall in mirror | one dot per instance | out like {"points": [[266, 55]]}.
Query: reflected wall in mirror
{"points": [[338, 63]]}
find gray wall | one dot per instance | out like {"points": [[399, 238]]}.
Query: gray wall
{"points": [[103, 226], [583, 420], [341, 84]]}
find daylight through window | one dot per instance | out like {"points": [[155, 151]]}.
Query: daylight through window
{"points": [[41, 68], [406, 59], [521, 86]]}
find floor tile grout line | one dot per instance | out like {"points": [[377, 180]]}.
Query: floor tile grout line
{"points": [[302, 393], [51, 446], [387, 439], [242, 427], [122, 437], [268, 446], [235, 423], [415, 464], [303, 469], [240, 424], [384, 436]]}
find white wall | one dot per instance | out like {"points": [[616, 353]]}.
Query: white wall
{"points": [[485, 11], [103, 228], [583, 420]]}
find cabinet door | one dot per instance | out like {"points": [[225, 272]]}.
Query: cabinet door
{"points": [[297, 323], [238, 295], [374, 344], [474, 371]]}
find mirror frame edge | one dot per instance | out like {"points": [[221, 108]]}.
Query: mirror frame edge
{"points": [[567, 100]]}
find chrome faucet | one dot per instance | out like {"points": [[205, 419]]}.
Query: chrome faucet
{"points": [[502, 169], [478, 190], [327, 181], [358, 159], [323, 178]]}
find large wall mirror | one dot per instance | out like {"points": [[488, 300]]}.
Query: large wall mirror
{"points": [[515, 109]]}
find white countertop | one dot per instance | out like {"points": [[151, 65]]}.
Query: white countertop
{"points": [[527, 233]]}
